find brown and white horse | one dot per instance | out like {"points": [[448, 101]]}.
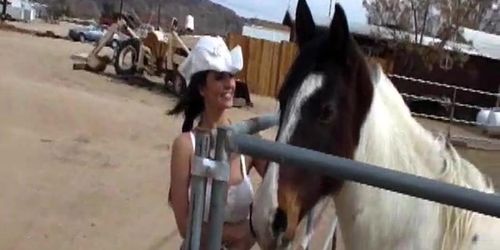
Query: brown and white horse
{"points": [[336, 103]]}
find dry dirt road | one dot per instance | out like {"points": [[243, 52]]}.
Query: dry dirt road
{"points": [[84, 157]]}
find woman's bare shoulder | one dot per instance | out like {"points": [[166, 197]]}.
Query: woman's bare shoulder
{"points": [[182, 142], [180, 155]]}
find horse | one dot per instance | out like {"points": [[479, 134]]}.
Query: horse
{"points": [[333, 101]]}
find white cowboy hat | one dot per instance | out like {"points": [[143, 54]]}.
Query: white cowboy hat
{"points": [[211, 53]]}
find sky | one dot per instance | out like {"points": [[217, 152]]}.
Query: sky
{"points": [[274, 10]]}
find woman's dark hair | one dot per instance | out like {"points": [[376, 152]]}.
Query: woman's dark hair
{"points": [[191, 102]]}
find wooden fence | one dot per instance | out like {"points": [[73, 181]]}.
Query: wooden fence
{"points": [[266, 63]]}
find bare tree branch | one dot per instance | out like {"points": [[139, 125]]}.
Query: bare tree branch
{"points": [[415, 22], [411, 20]]}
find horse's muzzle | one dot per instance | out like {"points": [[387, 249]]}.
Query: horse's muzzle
{"points": [[279, 227], [280, 222], [284, 225]]}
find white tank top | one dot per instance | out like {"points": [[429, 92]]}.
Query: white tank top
{"points": [[239, 197]]}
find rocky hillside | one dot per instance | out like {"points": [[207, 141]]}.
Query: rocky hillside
{"points": [[210, 18]]}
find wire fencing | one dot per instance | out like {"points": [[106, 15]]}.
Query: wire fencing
{"points": [[448, 104]]}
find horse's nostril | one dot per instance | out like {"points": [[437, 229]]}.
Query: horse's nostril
{"points": [[280, 221]]}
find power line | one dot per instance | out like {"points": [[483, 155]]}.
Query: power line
{"points": [[330, 9]]}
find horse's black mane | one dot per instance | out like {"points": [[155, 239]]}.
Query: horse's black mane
{"points": [[308, 55], [303, 64]]}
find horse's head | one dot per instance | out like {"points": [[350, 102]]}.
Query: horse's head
{"points": [[323, 102]]}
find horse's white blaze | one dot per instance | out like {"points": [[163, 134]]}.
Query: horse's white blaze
{"points": [[266, 197], [292, 114]]}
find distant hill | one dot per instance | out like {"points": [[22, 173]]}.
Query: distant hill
{"points": [[210, 18]]}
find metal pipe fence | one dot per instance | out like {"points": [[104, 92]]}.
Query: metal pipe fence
{"points": [[392, 180], [443, 85], [198, 188], [451, 106], [254, 125], [236, 139], [453, 103]]}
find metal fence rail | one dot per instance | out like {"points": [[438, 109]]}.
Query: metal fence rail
{"points": [[254, 125], [443, 85], [445, 119], [372, 175], [418, 97]]}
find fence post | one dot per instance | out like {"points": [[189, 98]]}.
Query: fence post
{"points": [[198, 188], [121, 6], [498, 97], [3, 15], [452, 113], [219, 190], [217, 169]]}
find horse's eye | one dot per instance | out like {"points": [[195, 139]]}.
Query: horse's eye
{"points": [[327, 113]]}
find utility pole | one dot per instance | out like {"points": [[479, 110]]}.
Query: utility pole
{"points": [[4, 10], [159, 16], [121, 7], [330, 9]]}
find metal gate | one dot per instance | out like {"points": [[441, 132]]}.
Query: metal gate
{"points": [[238, 139]]}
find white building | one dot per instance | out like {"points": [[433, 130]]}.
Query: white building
{"points": [[21, 10], [275, 34]]}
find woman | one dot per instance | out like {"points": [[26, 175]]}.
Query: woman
{"points": [[209, 72]]}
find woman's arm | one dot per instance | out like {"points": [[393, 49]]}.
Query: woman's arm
{"points": [[260, 165], [179, 178]]}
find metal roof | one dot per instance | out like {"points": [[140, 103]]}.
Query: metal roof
{"points": [[487, 44], [483, 44]]}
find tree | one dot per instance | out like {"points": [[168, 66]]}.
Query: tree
{"points": [[491, 19], [85, 9], [411, 25], [3, 15], [108, 9], [59, 8]]}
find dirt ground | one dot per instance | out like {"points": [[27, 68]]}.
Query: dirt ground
{"points": [[479, 149], [42, 26], [84, 157]]}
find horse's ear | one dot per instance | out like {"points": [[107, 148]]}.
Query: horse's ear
{"points": [[304, 23], [339, 34]]}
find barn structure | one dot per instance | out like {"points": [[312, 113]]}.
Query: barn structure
{"points": [[480, 72]]}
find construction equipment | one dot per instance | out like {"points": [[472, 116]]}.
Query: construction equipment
{"points": [[158, 54], [93, 61], [152, 52]]}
